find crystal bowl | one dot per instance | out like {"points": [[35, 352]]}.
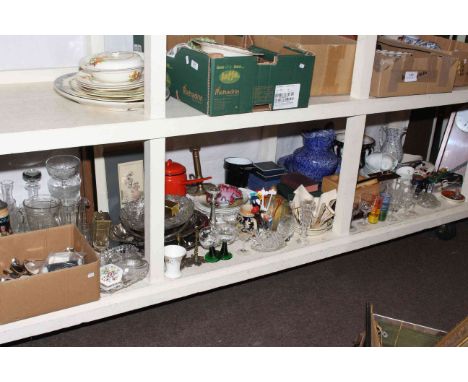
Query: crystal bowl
{"points": [[132, 215], [63, 166], [185, 211]]}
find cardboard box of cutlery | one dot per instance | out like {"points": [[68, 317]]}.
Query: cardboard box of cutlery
{"points": [[47, 292], [219, 79]]}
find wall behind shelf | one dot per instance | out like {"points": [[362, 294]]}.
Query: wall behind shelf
{"points": [[34, 52]]}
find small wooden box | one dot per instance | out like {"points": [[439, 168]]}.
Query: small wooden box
{"points": [[330, 182]]}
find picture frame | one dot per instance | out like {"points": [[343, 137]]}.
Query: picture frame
{"points": [[131, 181]]}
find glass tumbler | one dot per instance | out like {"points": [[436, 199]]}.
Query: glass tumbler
{"points": [[306, 214]]}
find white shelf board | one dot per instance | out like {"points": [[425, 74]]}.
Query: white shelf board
{"points": [[240, 268], [182, 119], [34, 117]]}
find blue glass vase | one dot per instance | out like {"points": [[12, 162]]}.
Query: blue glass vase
{"points": [[316, 158]]}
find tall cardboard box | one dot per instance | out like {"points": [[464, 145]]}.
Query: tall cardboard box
{"points": [[334, 62], [423, 71], [47, 292], [334, 58], [217, 85]]}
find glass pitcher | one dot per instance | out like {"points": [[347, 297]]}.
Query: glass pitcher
{"points": [[391, 141], [42, 211]]}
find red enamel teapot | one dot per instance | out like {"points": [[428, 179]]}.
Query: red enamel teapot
{"points": [[176, 179]]}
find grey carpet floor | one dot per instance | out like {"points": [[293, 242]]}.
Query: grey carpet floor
{"points": [[418, 278]]}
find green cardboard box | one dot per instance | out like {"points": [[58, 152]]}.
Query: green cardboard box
{"points": [[269, 80]]}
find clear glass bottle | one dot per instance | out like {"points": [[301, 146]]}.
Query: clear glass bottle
{"points": [[7, 196], [32, 177]]}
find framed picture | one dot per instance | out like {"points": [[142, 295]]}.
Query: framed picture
{"points": [[131, 181]]}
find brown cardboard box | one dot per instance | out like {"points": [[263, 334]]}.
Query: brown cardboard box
{"points": [[425, 71], [330, 182], [52, 291], [457, 49], [334, 58], [334, 62]]}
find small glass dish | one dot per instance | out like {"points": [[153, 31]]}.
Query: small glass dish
{"points": [[134, 267], [119, 253], [268, 241]]}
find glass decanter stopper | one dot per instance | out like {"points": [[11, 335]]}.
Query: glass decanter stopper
{"points": [[32, 177]]}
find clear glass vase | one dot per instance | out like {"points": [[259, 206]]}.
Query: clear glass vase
{"points": [[6, 187]]}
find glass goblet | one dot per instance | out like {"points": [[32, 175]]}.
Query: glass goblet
{"points": [[209, 240], [367, 200]]}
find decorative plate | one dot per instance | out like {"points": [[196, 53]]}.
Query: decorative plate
{"points": [[86, 80], [62, 87]]}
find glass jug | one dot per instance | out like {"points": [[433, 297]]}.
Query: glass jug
{"points": [[42, 212], [391, 141]]}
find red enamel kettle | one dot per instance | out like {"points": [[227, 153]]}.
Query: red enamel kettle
{"points": [[176, 179]]}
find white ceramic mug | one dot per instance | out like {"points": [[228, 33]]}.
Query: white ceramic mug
{"points": [[173, 255]]}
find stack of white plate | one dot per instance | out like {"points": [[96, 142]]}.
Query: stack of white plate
{"points": [[110, 79]]}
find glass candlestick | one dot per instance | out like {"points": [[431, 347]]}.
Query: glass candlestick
{"points": [[214, 193]]}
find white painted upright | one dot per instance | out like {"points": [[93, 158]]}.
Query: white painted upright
{"points": [[354, 134], [155, 77], [155, 108], [154, 206]]}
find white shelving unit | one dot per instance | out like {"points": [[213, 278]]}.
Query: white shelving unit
{"points": [[35, 118]]}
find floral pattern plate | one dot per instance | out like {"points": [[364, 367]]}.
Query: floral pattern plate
{"points": [[62, 87]]}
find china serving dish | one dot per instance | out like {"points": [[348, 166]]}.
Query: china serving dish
{"points": [[114, 67]]}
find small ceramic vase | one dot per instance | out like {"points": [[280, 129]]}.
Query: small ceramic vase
{"points": [[173, 255]]}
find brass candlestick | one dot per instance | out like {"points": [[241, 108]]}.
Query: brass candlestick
{"points": [[200, 188]]}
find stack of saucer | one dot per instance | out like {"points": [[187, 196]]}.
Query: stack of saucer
{"points": [[110, 79]]}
